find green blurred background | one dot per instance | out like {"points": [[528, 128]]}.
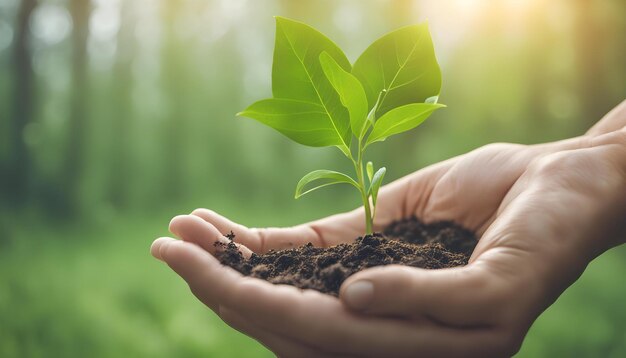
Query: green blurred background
{"points": [[117, 115]]}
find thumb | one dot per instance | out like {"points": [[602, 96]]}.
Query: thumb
{"points": [[456, 296]]}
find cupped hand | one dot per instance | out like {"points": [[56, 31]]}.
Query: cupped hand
{"points": [[534, 207]]}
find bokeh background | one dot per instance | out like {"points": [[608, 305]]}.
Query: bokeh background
{"points": [[117, 115]]}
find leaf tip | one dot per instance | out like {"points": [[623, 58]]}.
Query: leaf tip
{"points": [[280, 20], [285, 20]]}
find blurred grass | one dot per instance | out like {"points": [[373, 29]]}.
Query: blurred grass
{"points": [[589, 319], [98, 293]]}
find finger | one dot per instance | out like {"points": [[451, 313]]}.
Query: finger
{"points": [[456, 296], [280, 346], [316, 319], [193, 229], [155, 248], [614, 120], [528, 156], [262, 240], [616, 137], [195, 265], [224, 225]]}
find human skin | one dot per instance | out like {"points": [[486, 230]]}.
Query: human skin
{"points": [[542, 213]]}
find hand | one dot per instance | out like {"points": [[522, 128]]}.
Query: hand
{"points": [[482, 309]]}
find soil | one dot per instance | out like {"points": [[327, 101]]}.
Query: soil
{"points": [[406, 242]]}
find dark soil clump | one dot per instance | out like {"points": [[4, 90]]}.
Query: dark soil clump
{"points": [[405, 242]]}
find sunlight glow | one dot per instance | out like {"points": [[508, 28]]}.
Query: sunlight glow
{"points": [[450, 19], [50, 23], [476, 5]]}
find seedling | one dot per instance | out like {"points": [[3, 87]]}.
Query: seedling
{"points": [[320, 99]]}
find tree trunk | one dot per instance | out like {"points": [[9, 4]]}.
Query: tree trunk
{"points": [[175, 125], [15, 185], [123, 113], [74, 157]]}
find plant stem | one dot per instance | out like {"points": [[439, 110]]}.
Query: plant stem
{"points": [[358, 167]]}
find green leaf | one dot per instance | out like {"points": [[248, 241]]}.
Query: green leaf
{"points": [[377, 180], [330, 177], [400, 120], [403, 62], [369, 168], [303, 122], [350, 92], [297, 73]]}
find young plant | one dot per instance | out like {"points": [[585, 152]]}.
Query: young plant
{"points": [[320, 99]]}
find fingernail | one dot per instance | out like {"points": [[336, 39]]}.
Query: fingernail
{"points": [[358, 295]]}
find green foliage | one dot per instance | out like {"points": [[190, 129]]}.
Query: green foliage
{"points": [[321, 100], [313, 127], [375, 181], [400, 120], [403, 63], [350, 92], [297, 72]]}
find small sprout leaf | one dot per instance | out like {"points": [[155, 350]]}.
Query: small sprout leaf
{"points": [[400, 120], [377, 180], [327, 177], [369, 168]]}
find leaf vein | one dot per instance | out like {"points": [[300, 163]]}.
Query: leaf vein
{"points": [[291, 46]]}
